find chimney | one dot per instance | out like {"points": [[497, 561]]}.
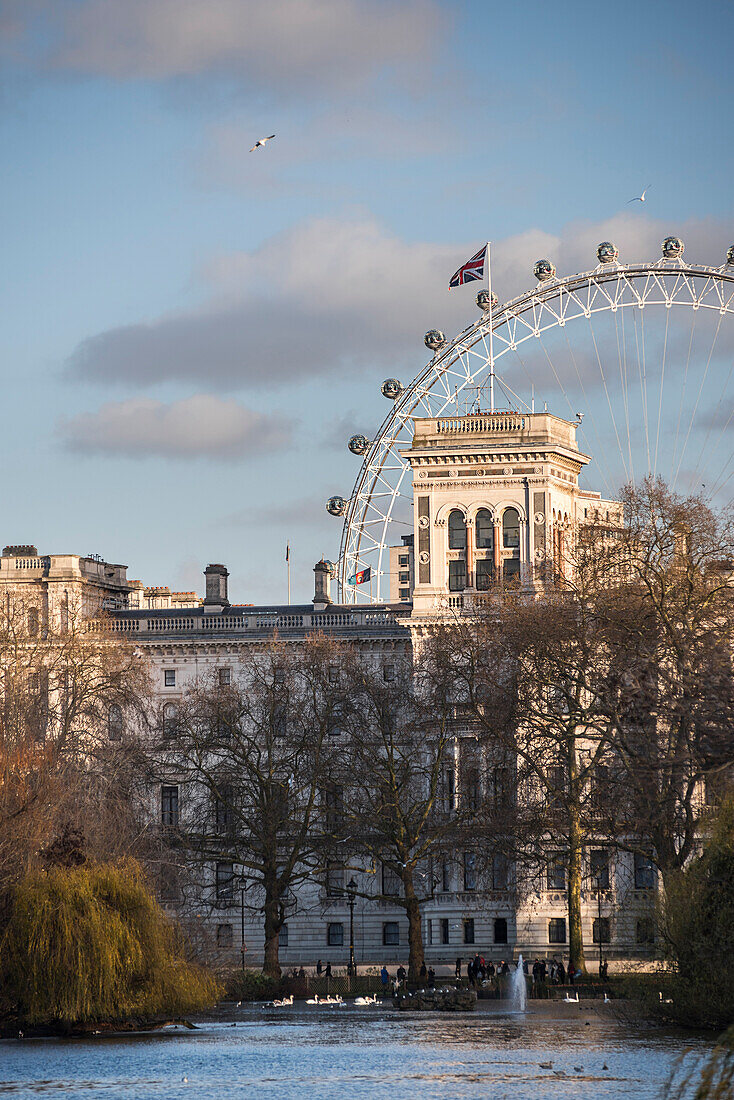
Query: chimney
{"points": [[322, 573], [216, 589]]}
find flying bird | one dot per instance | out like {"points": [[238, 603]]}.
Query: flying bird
{"points": [[262, 141], [639, 198]]}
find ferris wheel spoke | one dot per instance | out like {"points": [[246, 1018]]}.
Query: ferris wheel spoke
{"points": [[662, 384], [698, 398]]}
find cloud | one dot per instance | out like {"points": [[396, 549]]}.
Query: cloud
{"points": [[336, 297], [302, 512], [278, 45], [202, 426]]}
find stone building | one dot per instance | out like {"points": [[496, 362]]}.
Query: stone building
{"points": [[495, 496]]}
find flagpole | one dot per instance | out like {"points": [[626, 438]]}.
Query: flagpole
{"points": [[288, 563], [491, 355]]}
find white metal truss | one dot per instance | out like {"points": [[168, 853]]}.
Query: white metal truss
{"points": [[370, 521]]}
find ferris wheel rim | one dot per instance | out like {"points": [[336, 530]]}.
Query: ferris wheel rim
{"points": [[657, 274]]}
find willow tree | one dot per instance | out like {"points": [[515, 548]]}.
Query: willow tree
{"points": [[90, 943], [252, 756]]}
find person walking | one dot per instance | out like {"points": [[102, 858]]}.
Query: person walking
{"points": [[431, 978], [470, 973], [327, 972], [571, 972], [384, 977], [319, 969], [457, 970]]}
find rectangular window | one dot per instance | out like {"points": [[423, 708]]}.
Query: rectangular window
{"points": [[448, 785], [484, 573], [333, 674], [335, 935], [511, 569], [403, 559], [556, 873], [388, 673], [444, 930], [404, 578], [391, 882], [457, 576], [225, 936], [169, 677], [445, 875], [646, 930], [391, 934], [557, 930], [114, 721], [334, 880], [225, 884], [499, 871], [169, 807], [599, 869], [600, 930], [170, 720], [470, 870], [469, 930], [224, 676], [404, 593], [283, 936], [644, 872], [223, 808], [500, 930]]}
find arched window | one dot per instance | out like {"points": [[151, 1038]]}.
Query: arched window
{"points": [[457, 530], [511, 529], [32, 621], [170, 720], [114, 722], [485, 529]]}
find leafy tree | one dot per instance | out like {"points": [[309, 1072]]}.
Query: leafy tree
{"points": [[90, 943]]}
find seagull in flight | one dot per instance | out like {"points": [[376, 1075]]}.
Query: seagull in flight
{"points": [[639, 198], [262, 141]]}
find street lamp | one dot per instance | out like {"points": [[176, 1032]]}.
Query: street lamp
{"points": [[243, 887], [351, 890], [599, 924]]}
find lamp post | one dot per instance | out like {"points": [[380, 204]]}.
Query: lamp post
{"points": [[243, 887], [351, 890], [599, 924]]}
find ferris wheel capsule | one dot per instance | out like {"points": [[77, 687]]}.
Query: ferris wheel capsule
{"points": [[336, 506], [391, 389], [359, 445], [330, 565], [483, 300], [607, 253], [672, 248], [544, 270], [730, 255], [434, 339]]}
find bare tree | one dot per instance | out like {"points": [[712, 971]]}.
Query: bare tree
{"points": [[253, 751], [71, 695]]}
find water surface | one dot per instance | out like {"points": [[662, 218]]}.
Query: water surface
{"points": [[347, 1053]]}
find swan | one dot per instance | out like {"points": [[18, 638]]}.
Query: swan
{"points": [[314, 1000], [284, 1002], [607, 999], [664, 1000], [569, 1000], [366, 1000]]}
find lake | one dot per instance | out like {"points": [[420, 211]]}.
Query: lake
{"points": [[349, 1052]]}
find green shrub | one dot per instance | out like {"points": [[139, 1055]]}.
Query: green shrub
{"points": [[699, 930], [91, 943], [252, 985]]}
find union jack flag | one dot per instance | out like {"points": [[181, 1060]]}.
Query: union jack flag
{"points": [[471, 270]]}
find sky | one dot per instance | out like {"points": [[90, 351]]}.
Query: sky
{"points": [[191, 332]]}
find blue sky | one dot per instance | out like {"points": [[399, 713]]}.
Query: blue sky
{"points": [[192, 332]]}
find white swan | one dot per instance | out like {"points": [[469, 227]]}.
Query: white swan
{"points": [[665, 1000], [366, 1000], [607, 999], [568, 1000], [314, 1000], [284, 1002]]}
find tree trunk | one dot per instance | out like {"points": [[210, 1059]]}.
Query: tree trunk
{"points": [[271, 963], [415, 937], [575, 932]]}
